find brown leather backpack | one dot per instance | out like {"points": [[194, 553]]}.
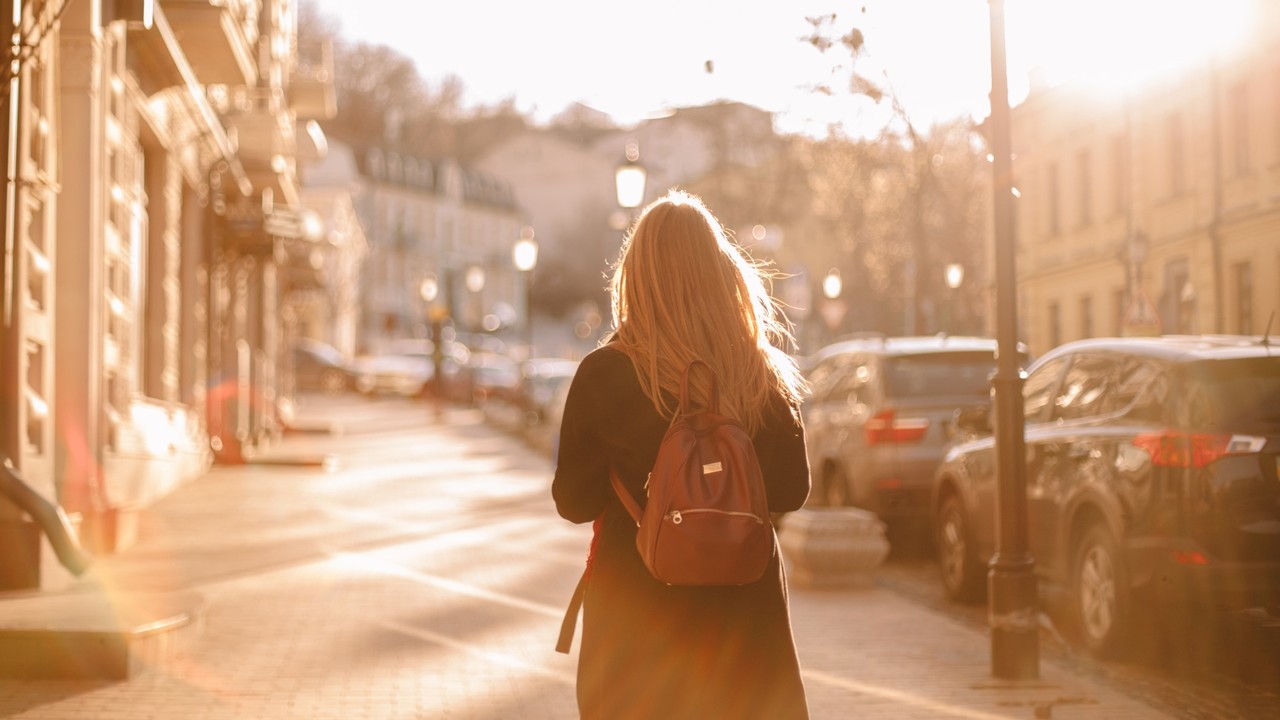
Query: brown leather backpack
{"points": [[706, 516], [705, 520]]}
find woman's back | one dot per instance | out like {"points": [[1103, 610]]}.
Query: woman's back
{"points": [[681, 291]]}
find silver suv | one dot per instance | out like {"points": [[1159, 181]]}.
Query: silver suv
{"points": [[880, 414]]}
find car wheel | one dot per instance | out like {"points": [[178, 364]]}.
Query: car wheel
{"points": [[957, 555], [333, 382], [1100, 593], [835, 488]]}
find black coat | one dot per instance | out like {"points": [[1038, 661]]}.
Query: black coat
{"points": [[650, 650]]}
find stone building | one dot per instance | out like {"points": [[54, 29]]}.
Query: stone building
{"points": [[438, 234], [152, 214], [1158, 211]]}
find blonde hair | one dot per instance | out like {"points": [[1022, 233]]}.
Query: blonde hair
{"points": [[683, 290]]}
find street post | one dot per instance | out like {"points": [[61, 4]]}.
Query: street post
{"points": [[1014, 615]]}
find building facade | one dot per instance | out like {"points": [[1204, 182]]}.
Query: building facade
{"points": [[439, 235], [151, 213], [1155, 212]]}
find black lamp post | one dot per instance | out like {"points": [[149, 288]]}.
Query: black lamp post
{"points": [[954, 275], [524, 255], [1013, 611]]}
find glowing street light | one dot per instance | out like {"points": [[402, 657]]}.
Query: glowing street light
{"points": [[475, 278], [429, 288], [832, 285], [630, 177], [524, 255]]}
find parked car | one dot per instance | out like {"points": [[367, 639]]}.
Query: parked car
{"points": [[540, 378], [879, 417], [490, 377], [1151, 473], [318, 366], [406, 366]]}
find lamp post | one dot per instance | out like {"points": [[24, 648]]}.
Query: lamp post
{"points": [[1012, 607], [474, 279], [429, 290], [954, 276], [524, 255], [629, 178], [833, 307]]}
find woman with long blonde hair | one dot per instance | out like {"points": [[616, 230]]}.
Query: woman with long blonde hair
{"points": [[682, 290]]}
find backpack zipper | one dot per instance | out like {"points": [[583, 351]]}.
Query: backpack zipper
{"points": [[677, 516]]}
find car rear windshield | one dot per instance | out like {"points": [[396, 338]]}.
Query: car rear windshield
{"points": [[1242, 394], [940, 374]]}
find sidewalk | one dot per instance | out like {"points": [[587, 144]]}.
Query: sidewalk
{"points": [[449, 607]]}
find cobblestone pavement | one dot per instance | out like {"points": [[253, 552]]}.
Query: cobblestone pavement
{"points": [[424, 573]]}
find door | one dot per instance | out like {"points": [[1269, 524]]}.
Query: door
{"points": [[1074, 451], [1037, 392]]}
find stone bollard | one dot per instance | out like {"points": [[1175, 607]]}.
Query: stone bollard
{"points": [[832, 547]]}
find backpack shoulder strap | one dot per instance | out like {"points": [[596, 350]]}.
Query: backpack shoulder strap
{"points": [[629, 502]]}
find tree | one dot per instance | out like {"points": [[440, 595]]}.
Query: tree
{"points": [[904, 204], [382, 99]]}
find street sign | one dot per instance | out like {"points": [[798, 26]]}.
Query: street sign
{"points": [[1140, 317]]}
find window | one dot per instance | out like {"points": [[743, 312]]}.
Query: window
{"points": [[1039, 388], [1086, 316], [1141, 390], [1051, 197], [1174, 141], [1055, 325], [1119, 174], [1238, 127], [1084, 211], [1243, 274], [835, 377], [1085, 387], [938, 374]]}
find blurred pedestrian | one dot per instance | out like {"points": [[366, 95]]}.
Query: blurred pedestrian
{"points": [[681, 290]]}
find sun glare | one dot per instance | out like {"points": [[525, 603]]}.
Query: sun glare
{"points": [[1120, 45]]}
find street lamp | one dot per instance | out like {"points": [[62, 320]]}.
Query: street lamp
{"points": [[832, 285], [833, 307], [1012, 606], [429, 288], [524, 255], [629, 178], [954, 275], [474, 279]]}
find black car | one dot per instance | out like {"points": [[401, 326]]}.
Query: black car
{"points": [[318, 366], [1151, 472], [879, 416]]}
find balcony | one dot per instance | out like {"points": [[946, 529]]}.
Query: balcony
{"points": [[263, 129], [218, 37], [311, 92]]}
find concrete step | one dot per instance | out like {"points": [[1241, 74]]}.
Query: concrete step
{"points": [[92, 633]]}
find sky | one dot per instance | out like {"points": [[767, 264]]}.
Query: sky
{"points": [[640, 59]]}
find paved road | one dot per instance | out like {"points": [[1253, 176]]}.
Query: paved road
{"points": [[1223, 666], [425, 576]]}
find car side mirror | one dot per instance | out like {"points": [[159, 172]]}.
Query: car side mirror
{"points": [[974, 420]]}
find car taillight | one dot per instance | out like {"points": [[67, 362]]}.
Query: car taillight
{"points": [[887, 427], [1194, 450]]}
